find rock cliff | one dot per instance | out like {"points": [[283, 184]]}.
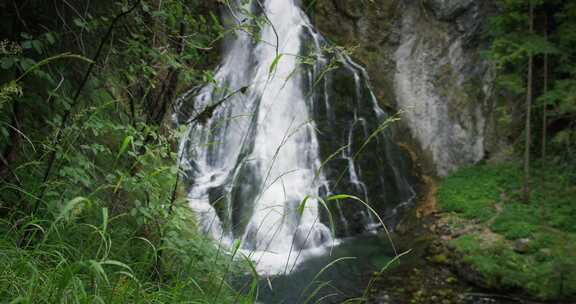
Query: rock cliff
{"points": [[424, 58]]}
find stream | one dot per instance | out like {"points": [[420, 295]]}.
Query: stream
{"points": [[289, 124], [333, 278]]}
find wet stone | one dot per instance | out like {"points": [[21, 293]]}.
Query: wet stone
{"points": [[522, 246]]}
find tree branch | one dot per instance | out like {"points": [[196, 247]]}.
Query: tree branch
{"points": [[52, 156]]}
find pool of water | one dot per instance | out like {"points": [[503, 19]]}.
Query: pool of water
{"points": [[340, 274], [344, 273]]}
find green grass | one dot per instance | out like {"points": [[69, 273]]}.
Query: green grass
{"points": [[472, 192], [91, 210], [89, 260], [107, 229], [549, 222], [545, 277], [516, 221]]}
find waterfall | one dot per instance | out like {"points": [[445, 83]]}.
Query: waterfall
{"points": [[281, 102]]}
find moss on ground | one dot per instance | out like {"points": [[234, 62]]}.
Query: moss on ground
{"points": [[488, 198], [473, 192]]}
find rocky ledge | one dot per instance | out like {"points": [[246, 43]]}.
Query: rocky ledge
{"points": [[424, 59]]}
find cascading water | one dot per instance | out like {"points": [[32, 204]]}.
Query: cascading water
{"points": [[281, 103]]}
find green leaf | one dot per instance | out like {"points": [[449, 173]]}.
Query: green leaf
{"points": [[37, 45], [352, 197], [274, 64], [27, 45], [117, 263], [252, 292], [26, 63], [127, 141], [50, 37], [104, 219], [7, 62], [235, 247], [20, 299], [302, 205], [70, 206], [50, 59], [79, 23], [98, 269]]}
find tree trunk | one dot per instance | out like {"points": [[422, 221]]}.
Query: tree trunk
{"points": [[545, 106], [10, 155], [526, 190], [544, 118]]}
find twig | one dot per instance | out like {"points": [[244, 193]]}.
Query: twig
{"points": [[272, 26], [179, 50], [209, 110], [52, 156], [17, 10], [11, 150]]}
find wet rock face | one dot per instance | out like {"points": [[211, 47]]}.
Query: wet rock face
{"points": [[449, 9], [439, 83], [464, 16], [424, 58]]}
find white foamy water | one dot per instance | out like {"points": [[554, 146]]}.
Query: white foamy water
{"points": [[263, 140], [253, 161]]}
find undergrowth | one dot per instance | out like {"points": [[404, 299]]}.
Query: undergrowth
{"points": [[98, 259], [112, 226], [91, 206], [490, 196]]}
